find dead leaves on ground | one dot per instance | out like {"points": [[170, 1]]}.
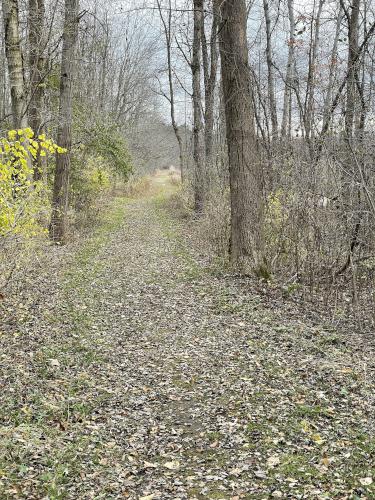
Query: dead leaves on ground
{"points": [[152, 382]]}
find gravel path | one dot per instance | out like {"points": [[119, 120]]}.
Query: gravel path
{"points": [[143, 374]]}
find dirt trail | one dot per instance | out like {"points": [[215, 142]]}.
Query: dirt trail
{"points": [[149, 376]]}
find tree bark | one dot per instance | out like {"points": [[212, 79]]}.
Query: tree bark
{"points": [[64, 134], [15, 62], [36, 65], [332, 69], [210, 64], [271, 72], [3, 82], [289, 79], [311, 78], [353, 63], [198, 148], [246, 179]]}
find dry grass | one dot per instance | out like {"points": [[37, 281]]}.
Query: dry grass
{"points": [[215, 224], [175, 178], [138, 186], [180, 203]]}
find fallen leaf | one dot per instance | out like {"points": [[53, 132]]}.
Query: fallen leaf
{"points": [[305, 426], [346, 370], [277, 494], [173, 465], [317, 438], [55, 363], [260, 474], [366, 481], [149, 465], [273, 461], [62, 425]]}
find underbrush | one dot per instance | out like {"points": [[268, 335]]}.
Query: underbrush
{"points": [[17, 254], [318, 248], [174, 178], [27, 164], [138, 186], [215, 224], [180, 204], [24, 200]]}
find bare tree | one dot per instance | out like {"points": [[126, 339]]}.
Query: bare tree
{"points": [[36, 68], [353, 61], [271, 71], [311, 83], [64, 135], [198, 151], [332, 67], [246, 186], [210, 65], [167, 28], [3, 82], [15, 62], [290, 73]]}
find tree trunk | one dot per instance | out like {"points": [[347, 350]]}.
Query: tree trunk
{"points": [[271, 72], [3, 82], [15, 63], [353, 62], [167, 27], [64, 134], [210, 63], [311, 78], [289, 79], [198, 151], [246, 179], [332, 69], [103, 65], [36, 64]]}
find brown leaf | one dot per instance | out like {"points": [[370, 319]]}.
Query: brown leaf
{"points": [[62, 425]]}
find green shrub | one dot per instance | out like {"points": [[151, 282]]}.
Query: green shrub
{"points": [[103, 140], [89, 182]]}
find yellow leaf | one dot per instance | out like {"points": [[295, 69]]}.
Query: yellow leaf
{"points": [[346, 370], [305, 426], [317, 438]]}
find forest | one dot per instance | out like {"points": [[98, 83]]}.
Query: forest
{"points": [[187, 249]]}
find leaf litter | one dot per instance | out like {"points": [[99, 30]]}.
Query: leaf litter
{"points": [[137, 372]]}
